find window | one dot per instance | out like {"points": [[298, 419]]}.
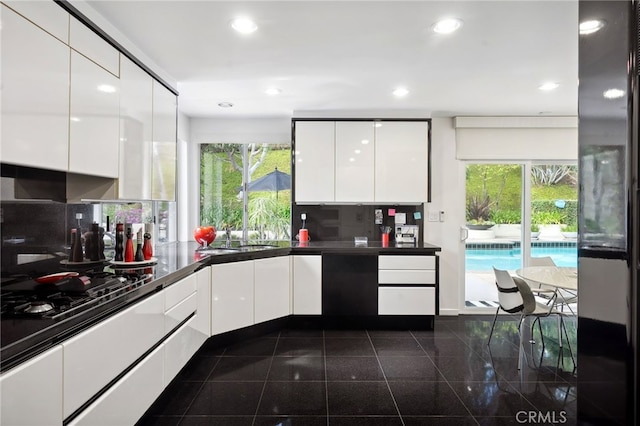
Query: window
{"points": [[264, 213]]}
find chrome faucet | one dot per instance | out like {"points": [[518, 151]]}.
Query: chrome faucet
{"points": [[227, 243]]}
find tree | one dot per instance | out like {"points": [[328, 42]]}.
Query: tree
{"points": [[256, 155], [554, 174]]}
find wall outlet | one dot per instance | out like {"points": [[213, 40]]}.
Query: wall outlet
{"points": [[303, 216]]}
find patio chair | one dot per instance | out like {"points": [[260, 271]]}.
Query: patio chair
{"points": [[515, 297]]}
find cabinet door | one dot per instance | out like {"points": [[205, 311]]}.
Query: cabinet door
{"points": [[32, 392], [82, 39], [35, 95], [45, 14], [129, 398], [94, 357], [307, 285], [95, 119], [136, 118], [231, 296], [179, 348], [271, 288], [354, 161], [163, 170], [203, 318], [401, 162], [406, 301], [314, 161]]}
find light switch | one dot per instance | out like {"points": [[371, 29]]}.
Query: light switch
{"points": [[434, 216]]}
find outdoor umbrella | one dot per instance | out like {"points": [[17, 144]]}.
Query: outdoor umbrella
{"points": [[274, 181]]}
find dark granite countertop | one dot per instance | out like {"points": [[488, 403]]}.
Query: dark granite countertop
{"points": [[22, 339]]}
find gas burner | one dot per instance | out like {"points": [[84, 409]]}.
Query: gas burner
{"points": [[38, 307]]}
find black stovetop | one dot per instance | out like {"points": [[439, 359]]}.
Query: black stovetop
{"points": [[33, 313]]}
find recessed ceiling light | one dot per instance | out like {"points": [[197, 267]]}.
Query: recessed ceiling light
{"points": [[273, 91], [613, 93], [107, 88], [244, 25], [446, 26], [400, 92], [225, 104], [549, 86], [590, 27]]}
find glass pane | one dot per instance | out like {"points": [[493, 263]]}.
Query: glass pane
{"points": [[493, 220], [220, 183], [269, 192], [554, 213]]}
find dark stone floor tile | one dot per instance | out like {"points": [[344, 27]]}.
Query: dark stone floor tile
{"points": [[175, 399], [305, 368], [353, 368], [450, 346], [389, 346], [241, 368], [293, 332], [211, 348], [217, 421], [491, 398], [294, 399], [290, 421], [409, 368], [227, 399], [365, 421], [439, 421], [465, 368], [394, 334], [159, 421], [300, 346], [346, 334], [550, 396], [360, 399], [253, 347], [198, 368], [498, 421], [426, 399], [348, 347]]}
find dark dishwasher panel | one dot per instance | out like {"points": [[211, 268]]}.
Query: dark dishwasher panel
{"points": [[349, 284]]}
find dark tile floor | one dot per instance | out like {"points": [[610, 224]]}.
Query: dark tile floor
{"points": [[448, 376]]}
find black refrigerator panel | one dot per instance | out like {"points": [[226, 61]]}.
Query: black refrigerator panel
{"points": [[608, 216]]}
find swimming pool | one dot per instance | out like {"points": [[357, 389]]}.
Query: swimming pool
{"points": [[509, 258]]}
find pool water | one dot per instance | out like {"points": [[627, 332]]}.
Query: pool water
{"points": [[509, 259]]}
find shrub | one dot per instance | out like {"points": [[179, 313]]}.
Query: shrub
{"points": [[479, 208], [505, 216], [548, 218]]}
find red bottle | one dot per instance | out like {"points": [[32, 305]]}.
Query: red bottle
{"points": [[128, 248], [147, 247]]}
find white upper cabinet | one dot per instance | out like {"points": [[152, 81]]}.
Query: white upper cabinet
{"points": [[164, 134], [136, 120], [35, 95], [45, 14], [82, 39], [354, 161], [401, 162], [94, 118], [314, 161]]}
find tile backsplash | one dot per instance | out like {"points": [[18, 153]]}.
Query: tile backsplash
{"points": [[335, 222]]}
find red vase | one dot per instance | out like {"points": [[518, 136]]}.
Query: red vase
{"points": [[128, 248]]}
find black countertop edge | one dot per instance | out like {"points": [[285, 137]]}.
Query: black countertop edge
{"points": [[175, 262]]}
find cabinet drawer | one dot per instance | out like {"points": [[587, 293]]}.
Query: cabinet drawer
{"points": [[180, 312], [179, 291], [180, 347], [130, 397], [406, 301], [406, 262], [411, 276], [94, 357]]}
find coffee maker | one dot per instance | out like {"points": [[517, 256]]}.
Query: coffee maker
{"points": [[406, 234]]}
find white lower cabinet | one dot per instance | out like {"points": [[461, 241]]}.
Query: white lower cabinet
{"points": [[31, 393], [94, 357], [231, 296], [180, 347], [272, 288], [406, 300], [126, 401], [307, 285]]}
